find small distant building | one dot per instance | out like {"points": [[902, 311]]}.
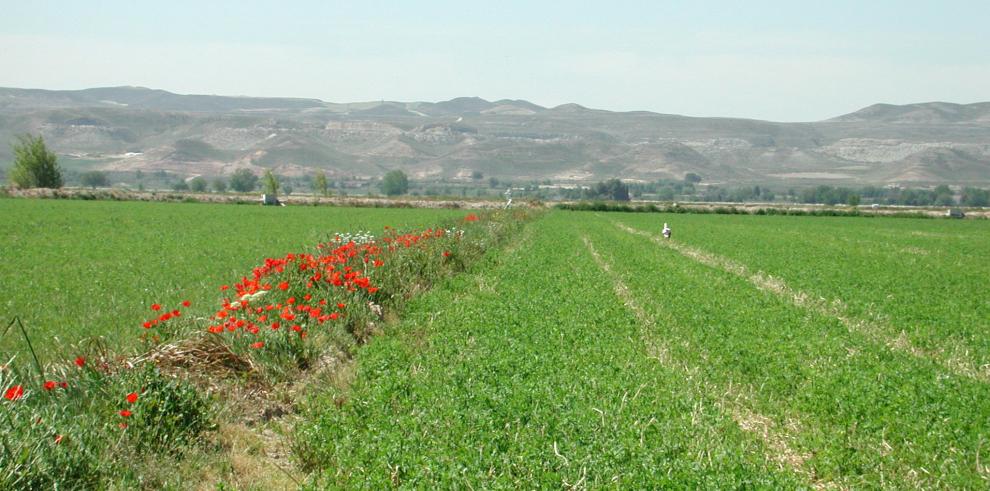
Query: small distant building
{"points": [[955, 213], [270, 200]]}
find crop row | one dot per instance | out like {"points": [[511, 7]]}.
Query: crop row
{"points": [[925, 278], [528, 373], [866, 415]]}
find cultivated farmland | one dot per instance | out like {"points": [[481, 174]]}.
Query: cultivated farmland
{"points": [[74, 269], [766, 351], [746, 351]]}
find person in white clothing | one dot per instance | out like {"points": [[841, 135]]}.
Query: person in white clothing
{"points": [[665, 231]]}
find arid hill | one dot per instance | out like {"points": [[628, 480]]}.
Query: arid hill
{"points": [[133, 128]]}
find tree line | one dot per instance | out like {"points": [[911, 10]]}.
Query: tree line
{"points": [[941, 195]]}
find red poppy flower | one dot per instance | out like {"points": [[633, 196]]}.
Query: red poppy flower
{"points": [[64, 385], [147, 325], [186, 303], [224, 287], [340, 306], [125, 413], [283, 285], [156, 307], [446, 253], [258, 345], [80, 361], [132, 397], [14, 393], [49, 384]]}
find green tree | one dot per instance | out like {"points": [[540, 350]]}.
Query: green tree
{"points": [[95, 179], [975, 197], [198, 184], [612, 189], [271, 183], [320, 184], [692, 178], [395, 183], [943, 196], [243, 181], [219, 185], [34, 165], [180, 185], [853, 200]]}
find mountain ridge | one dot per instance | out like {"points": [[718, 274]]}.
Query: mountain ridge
{"points": [[137, 128]]}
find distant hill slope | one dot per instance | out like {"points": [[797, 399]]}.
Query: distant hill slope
{"points": [[924, 113], [144, 98], [134, 128]]}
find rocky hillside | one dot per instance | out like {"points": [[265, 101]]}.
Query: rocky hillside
{"points": [[131, 128]]}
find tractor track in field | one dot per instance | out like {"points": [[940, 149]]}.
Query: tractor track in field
{"points": [[957, 362], [733, 399]]}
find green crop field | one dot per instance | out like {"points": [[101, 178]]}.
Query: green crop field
{"points": [[772, 352], [744, 352], [75, 269]]}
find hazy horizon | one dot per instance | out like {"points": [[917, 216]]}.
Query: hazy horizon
{"points": [[774, 61]]}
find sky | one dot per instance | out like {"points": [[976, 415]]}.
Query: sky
{"points": [[773, 60]]}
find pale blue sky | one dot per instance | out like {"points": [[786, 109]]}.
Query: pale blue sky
{"points": [[777, 60]]}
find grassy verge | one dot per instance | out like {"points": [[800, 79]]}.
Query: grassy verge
{"points": [[101, 418], [74, 270]]}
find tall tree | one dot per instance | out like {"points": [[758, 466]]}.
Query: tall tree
{"points": [[243, 180], [94, 179], [34, 165], [271, 183], [395, 183], [198, 184], [320, 184]]}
